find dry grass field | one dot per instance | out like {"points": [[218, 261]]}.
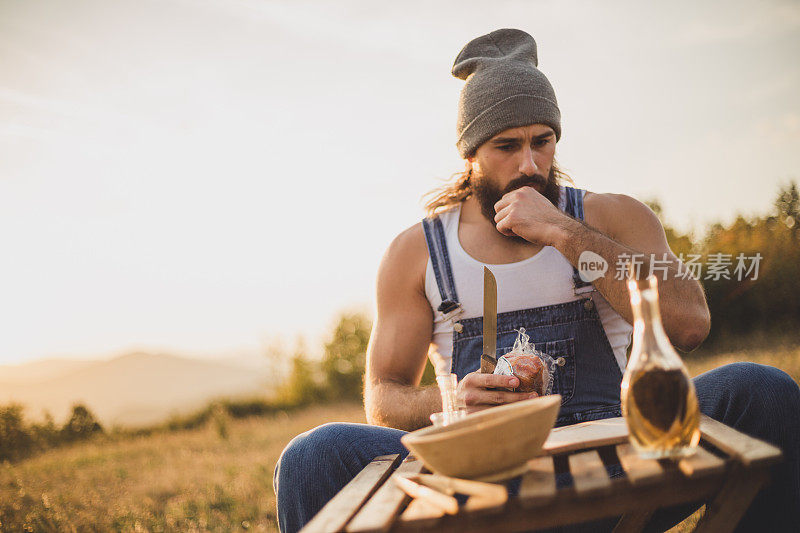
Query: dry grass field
{"points": [[217, 478], [179, 481]]}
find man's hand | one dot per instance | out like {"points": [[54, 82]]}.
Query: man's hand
{"points": [[526, 213], [478, 391]]}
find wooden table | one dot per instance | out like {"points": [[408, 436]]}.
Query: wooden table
{"points": [[727, 472]]}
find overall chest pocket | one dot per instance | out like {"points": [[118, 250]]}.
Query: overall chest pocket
{"points": [[564, 379]]}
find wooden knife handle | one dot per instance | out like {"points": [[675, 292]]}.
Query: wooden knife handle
{"points": [[488, 364]]}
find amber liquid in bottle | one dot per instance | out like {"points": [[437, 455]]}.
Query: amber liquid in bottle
{"points": [[659, 402]]}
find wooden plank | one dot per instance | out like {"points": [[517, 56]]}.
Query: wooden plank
{"points": [[633, 521], [485, 503], [446, 502], [588, 472], [572, 508], [380, 511], [585, 435], [484, 497], [422, 513], [701, 463], [452, 485], [638, 470], [746, 449], [349, 500], [539, 482], [725, 511]]}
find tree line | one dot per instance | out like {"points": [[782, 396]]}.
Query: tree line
{"points": [[20, 438], [762, 298]]}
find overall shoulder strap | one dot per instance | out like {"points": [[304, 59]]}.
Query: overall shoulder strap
{"points": [[440, 259], [574, 208]]}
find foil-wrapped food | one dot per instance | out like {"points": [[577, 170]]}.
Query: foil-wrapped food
{"points": [[528, 368], [533, 368]]}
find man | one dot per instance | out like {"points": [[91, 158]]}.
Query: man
{"points": [[511, 211]]}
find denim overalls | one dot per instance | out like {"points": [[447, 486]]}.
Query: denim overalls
{"points": [[589, 379]]}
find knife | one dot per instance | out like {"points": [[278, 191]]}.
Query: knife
{"points": [[489, 357]]}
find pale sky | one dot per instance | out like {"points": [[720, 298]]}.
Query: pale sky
{"points": [[203, 176]]}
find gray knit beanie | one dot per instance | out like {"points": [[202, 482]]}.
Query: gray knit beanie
{"points": [[503, 88]]}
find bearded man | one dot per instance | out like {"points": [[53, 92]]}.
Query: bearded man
{"points": [[513, 211]]}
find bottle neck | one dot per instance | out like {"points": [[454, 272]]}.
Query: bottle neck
{"points": [[648, 332]]}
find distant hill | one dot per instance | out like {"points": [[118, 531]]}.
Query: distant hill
{"points": [[130, 390], [41, 370]]}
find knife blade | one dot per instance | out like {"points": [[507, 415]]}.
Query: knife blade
{"points": [[489, 357]]}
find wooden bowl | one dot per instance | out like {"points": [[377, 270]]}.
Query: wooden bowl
{"points": [[492, 444]]}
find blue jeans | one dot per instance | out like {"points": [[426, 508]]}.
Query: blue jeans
{"points": [[758, 400]]}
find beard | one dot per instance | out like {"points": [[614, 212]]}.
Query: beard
{"points": [[488, 194]]}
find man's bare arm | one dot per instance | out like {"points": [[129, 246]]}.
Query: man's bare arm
{"points": [[633, 229], [615, 225], [401, 336], [398, 347]]}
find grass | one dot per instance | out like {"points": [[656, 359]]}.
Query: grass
{"points": [[217, 477], [193, 480], [783, 356]]}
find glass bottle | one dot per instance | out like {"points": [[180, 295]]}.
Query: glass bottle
{"points": [[659, 401]]}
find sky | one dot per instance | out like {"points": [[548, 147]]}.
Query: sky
{"points": [[205, 177]]}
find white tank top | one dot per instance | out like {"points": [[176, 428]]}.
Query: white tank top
{"points": [[543, 279]]}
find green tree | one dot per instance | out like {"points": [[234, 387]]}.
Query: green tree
{"points": [[81, 424], [787, 205], [345, 357], [742, 303], [45, 434], [15, 439], [769, 302], [305, 384]]}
